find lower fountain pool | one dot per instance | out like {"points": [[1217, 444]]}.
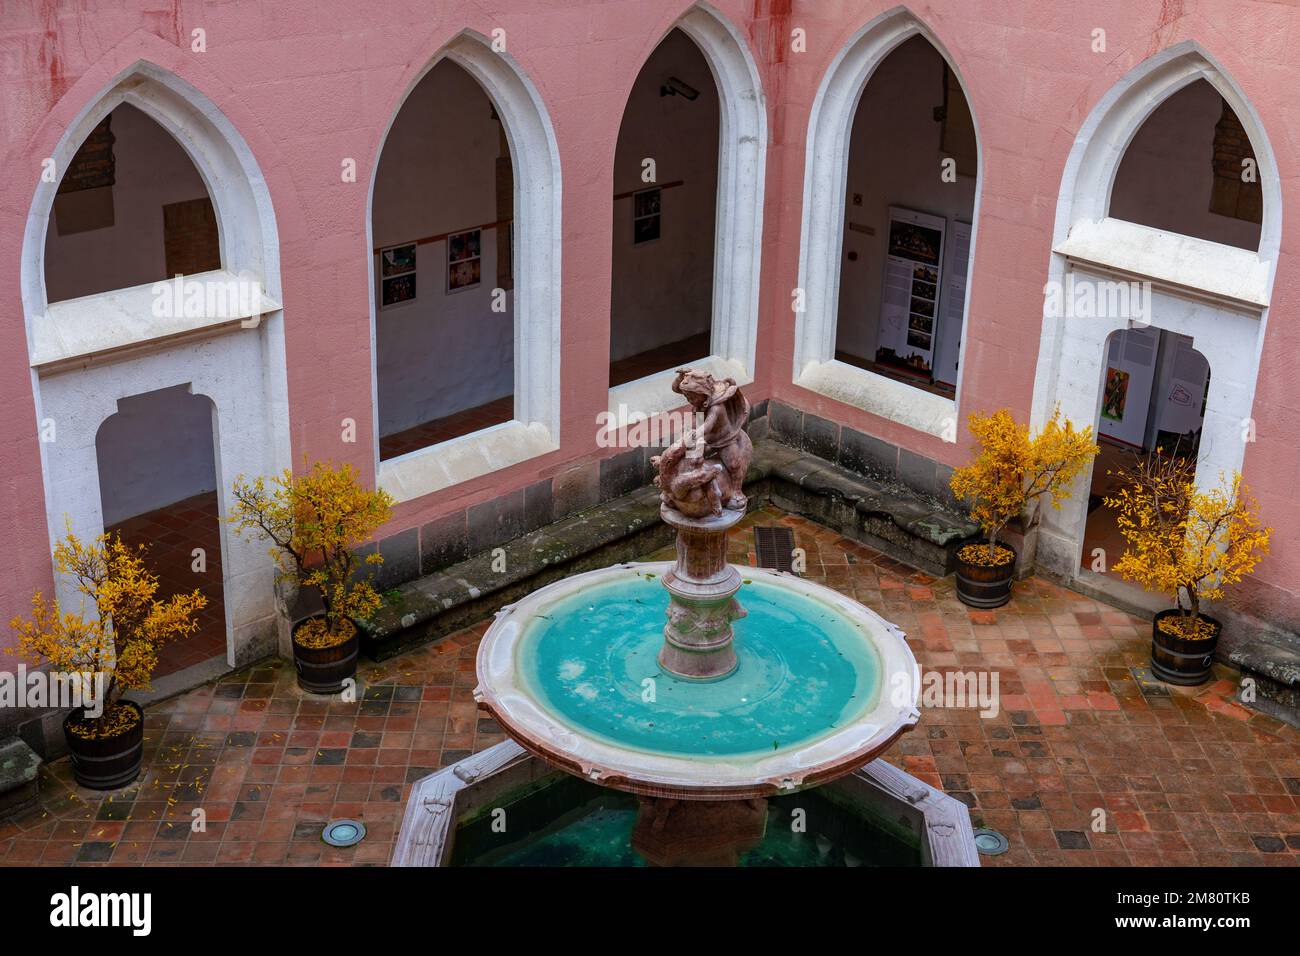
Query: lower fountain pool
{"points": [[804, 671], [572, 823]]}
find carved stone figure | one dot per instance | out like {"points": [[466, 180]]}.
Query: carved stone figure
{"points": [[726, 412], [688, 482], [701, 480]]}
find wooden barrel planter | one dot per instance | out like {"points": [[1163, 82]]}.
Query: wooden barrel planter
{"points": [[1180, 660], [985, 587], [322, 670], [106, 763]]}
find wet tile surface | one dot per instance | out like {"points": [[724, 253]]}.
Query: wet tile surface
{"points": [[1084, 764]]}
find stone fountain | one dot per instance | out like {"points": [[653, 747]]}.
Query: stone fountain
{"points": [[703, 725]]}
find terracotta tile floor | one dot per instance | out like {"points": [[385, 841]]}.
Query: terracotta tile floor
{"points": [[444, 429], [1184, 776], [170, 536]]}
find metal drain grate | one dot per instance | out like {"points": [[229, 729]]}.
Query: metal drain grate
{"points": [[775, 548]]}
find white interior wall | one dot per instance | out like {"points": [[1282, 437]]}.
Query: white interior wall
{"points": [[157, 449], [1166, 176], [894, 159], [663, 290], [152, 170], [440, 352]]}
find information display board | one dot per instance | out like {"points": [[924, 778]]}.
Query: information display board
{"points": [[909, 300], [952, 305], [1182, 388], [1126, 390]]}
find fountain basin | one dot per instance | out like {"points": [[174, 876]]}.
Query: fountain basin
{"points": [[822, 686], [877, 815]]}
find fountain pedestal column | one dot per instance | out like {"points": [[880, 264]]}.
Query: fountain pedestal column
{"points": [[698, 639]]}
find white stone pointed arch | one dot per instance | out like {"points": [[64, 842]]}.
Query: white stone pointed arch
{"points": [[821, 241], [738, 233], [1214, 293], [89, 353], [535, 156], [245, 218]]}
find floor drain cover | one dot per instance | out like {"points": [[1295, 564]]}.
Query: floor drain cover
{"points": [[990, 842], [774, 548], [343, 832]]}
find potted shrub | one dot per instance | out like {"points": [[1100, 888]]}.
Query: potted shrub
{"points": [[1008, 479], [113, 652], [314, 522], [1188, 544]]}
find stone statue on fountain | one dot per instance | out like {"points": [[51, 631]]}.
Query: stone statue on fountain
{"points": [[718, 441], [701, 483]]}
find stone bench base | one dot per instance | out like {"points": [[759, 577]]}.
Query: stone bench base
{"points": [[886, 516], [1276, 672], [19, 787]]}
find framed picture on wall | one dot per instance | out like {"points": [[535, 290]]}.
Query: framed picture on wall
{"points": [[646, 206], [397, 274], [464, 259], [1116, 395]]}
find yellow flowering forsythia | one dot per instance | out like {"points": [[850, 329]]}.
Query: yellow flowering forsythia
{"points": [[1013, 471], [314, 522], [122, 643], [1183, 541]]}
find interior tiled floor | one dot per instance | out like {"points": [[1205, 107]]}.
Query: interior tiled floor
{"points": [[170, 536], [901, 374], [503, 409], [1183, 776], [1101, 531], [444, 429], [669, 356]]}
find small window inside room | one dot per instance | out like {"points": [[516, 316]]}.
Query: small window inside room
{"points": [[442, 220], [131, 209], [1191, 169], [665, 210], [908, 214]]}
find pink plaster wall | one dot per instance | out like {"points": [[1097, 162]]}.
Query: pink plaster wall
{"points": [[308, 82]]}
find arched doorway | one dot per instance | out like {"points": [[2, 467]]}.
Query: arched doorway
{"points": [[1143, 165], [179, 191]]}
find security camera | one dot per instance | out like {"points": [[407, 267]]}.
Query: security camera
{"points": [[675, 87]]}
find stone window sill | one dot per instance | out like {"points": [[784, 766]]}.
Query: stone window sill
{"points": [[883, 396], [448, 463], [76, 331], [653, 395]]}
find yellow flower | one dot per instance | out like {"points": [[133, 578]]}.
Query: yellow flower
{"points": [[315, 521], [1013, 472], [122, 641]]}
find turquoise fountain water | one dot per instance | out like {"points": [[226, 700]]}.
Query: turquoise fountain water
{"points": [[702, 688], [804, 671]]}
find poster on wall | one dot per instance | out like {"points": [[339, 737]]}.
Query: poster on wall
{"points": [[910, 298], [1128, 384], [464, 259], [952, 305], [397, 274], [1115, 395], [1183, 386]]}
